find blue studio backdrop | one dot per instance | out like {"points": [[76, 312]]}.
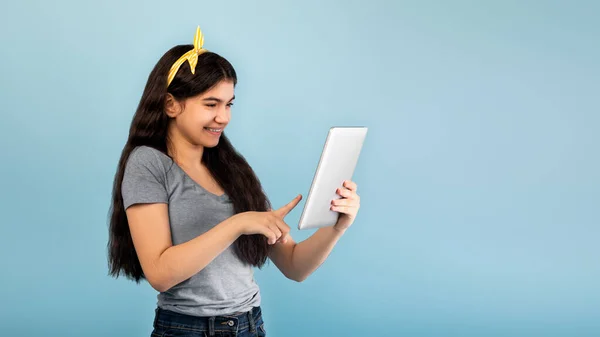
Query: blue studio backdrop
{"points": [[479, 177]]}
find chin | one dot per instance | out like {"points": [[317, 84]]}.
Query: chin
{"points": [[211, 144]]}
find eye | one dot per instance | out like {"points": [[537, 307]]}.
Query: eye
{"points": [[230, 104], [211, 105]]}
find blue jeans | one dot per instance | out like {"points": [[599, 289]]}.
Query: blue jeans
{"points": [[170, 324]]}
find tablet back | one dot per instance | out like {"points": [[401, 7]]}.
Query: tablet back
{"points": [[338, 160]]}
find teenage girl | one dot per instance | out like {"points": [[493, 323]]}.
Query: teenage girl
{"points": [[188, 213]]}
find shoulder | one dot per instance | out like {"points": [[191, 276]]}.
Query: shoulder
{"points": [[146, 153], [149, 157]]}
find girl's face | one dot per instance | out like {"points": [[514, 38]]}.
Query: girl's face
{"points": [[201, 119]]}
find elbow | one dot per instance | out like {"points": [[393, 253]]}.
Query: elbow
{"points": [[297, 278], [295, 274], [159, 284], [300, 279], [160, 287], [159, 277]]}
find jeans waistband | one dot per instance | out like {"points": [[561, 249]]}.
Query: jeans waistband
{"points": [[234, 322]]}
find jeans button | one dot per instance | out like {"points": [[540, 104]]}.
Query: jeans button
{"points": [[231, 323]]}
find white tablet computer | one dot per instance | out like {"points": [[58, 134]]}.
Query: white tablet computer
{"points": [[338, 160]]}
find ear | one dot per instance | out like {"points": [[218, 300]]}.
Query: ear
{"points": [[172, 106]]}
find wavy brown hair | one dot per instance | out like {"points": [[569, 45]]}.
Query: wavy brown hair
{"points": [[228, 167]]}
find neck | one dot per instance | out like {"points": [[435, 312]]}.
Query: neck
{"points": [[183, 152]]}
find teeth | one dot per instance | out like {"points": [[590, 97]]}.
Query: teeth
{"points": [[214, 130]]}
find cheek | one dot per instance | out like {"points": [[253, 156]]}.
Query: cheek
{"points": [[187, 126], [195, 120]]}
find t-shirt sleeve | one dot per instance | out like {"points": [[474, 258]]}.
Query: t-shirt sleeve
{"points": [[144, 180]]}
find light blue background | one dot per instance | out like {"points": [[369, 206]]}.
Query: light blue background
{"points": [[479, 176]]}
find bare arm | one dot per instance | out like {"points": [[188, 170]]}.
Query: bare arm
{"points": [[298, 260], [165, 265]]}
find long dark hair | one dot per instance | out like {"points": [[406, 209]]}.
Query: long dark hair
{"points": [[228, 167]]}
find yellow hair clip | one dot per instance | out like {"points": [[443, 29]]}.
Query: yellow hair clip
{"points": [[191, 56]]}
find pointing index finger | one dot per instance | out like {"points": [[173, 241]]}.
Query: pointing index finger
{"points": [[283, 211]]}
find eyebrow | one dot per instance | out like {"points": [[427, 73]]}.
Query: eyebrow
{"points": [[218, 100]]}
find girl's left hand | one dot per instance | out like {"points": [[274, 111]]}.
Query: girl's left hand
{"points": [[347, 206]]}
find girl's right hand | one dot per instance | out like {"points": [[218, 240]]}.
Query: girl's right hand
{"points": [[269, 223]]}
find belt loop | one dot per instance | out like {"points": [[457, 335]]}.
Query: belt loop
{"points": [[211, 326], [251, 320]]}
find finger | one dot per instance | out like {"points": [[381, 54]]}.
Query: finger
{"points": [[343, 209], [283, 227], [344, 202], [346, 193], [284, 238], [283, 211], [350, 185], [275, 230], [269, 234]]}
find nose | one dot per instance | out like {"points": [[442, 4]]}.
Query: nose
{"points": [[223, 116]]}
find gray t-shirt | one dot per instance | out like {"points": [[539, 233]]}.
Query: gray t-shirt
{"points": [[224, 286]]}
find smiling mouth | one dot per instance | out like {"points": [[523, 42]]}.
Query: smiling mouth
{"points": [[211, 130]]}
